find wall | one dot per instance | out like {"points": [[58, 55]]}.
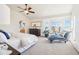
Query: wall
{"points": [[47, 10], [15, 17], [4, 17], [75, 17], [4, 14], [47, 22]]}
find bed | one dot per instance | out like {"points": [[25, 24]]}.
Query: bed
{"points": [[20, 41]]}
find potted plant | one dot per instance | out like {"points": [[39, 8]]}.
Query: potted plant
{"points": [[46, 32]]}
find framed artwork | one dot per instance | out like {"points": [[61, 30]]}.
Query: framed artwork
{"points": [[37, 24]]}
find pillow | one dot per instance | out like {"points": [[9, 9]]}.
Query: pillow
{"points": [[9, 34], [5, 33], [0, 39], [3, 38], [63, 33]]}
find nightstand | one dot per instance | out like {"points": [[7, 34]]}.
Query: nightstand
{"points": [[36, 32]]}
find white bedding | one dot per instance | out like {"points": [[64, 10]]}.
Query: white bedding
{"points": [[21, 41]]}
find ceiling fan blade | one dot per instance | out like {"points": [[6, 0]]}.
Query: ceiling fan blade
{"points": [[29, 8], [21, 11], [31, 11], [21, 8]]}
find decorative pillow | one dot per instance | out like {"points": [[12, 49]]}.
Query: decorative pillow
{"points": [[63, 33], [5, 33], [9, 34], [3, 38]]}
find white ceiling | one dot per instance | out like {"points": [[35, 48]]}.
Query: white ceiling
{"points": [[44, 10]]}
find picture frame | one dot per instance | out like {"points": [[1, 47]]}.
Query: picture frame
{"points": [[37, 24]]}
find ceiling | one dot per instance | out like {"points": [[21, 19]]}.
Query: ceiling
{"points": [[44, 10]]}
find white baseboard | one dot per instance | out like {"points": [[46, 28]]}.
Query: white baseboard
{"points": [[75, 45]]}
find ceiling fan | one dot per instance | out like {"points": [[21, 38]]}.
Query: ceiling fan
{"points": [[27, 9]]}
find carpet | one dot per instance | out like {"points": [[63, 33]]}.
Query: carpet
{"points": [[44, 47]]}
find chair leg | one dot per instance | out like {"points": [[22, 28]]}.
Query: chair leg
{"points": [[65, 41], [50, 41]]}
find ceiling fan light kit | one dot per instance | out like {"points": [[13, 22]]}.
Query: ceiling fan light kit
{"points": [[26, 11]]}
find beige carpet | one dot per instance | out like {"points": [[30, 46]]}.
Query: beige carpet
{"points": [[43, 47]]}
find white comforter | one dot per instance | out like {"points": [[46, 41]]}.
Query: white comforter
{"points": [[21, 41]]}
